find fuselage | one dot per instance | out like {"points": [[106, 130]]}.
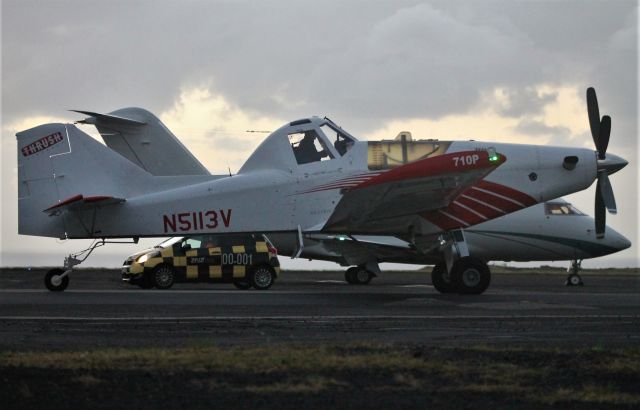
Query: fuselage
{"points": [[276, 191], [551, 231]]}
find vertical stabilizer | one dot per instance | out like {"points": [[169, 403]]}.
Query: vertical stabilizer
{"points": [[143, 139], [57, 163]]}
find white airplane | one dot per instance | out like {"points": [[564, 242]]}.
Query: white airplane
{"points": [[538, 233], [308, 177], [552, 231]]}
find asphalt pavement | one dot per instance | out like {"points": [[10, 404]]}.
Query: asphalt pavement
{"points": [[98, 310]]}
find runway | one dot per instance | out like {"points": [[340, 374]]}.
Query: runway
{"points": [[99, 311]]}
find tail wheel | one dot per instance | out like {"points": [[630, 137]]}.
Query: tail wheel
{"points": [[163, 277], [262, 277], [54, 282], [441, 280], [350, 275], [470, 276]]}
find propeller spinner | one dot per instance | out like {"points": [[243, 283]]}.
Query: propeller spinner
{"points": [[601, 131]]}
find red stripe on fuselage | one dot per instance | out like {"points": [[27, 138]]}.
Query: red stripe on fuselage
{"points": [[435, 166]]}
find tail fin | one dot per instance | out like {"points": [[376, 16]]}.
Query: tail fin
{"points": [[57, 163], [143, 139]]}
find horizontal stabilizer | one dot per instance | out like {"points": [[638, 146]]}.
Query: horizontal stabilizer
{"points": [[94, 117], [79, 202]]}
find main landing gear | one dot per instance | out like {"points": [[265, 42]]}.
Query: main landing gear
{"points": [[57, 280], [574, 278], [358, 275], [459, 272], [468, 276]]}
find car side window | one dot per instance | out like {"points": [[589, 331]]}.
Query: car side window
{"points": [[194, 242]]}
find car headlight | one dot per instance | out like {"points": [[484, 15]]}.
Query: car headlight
{"points": [[147, 256]]}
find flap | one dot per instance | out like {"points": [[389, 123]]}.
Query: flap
{"points": [[421, 186]]}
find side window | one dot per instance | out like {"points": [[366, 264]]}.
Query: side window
{"points": [[307, 147], [194, 242], [341, 142]]}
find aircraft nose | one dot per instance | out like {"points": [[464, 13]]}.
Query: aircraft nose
{"points": [[617, 240], [612, 164]]}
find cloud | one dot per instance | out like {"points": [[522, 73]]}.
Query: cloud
{"points": [[219, 133], [516, 102], [535, 127], [494, 70]]}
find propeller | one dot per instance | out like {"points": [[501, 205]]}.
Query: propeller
{"points": [[601, 131]]}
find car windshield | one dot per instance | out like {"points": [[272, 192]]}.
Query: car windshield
{"points": [[168, 242]]}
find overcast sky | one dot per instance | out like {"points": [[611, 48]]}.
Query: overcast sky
{"points": [[492, 70]]}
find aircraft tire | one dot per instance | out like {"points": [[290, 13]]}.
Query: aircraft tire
{"points": [[574, 280], [349, 275], [49, 279], [163, 277], [441, 280], [262, 277], [361, 276], [242, 285], [470, 276]]}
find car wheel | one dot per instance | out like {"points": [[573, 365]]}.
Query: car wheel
{"points": [[53, 282], [441, 280], [262, 277], [163, 277], [242, 285], [145, 282], [470, 276]]}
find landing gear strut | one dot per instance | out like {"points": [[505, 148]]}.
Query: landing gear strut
{"points": [[57, 280], [574, 278]]}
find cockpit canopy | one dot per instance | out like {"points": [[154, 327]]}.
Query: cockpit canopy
{"points": [[301, 142]]}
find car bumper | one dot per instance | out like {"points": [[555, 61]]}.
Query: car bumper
{"points": [[132, 273]]}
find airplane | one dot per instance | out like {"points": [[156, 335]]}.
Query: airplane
{"points": [[309, 176], [550, 231], [537, 233]]}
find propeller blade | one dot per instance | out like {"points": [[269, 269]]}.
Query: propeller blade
{"points": [[606, 192], [594, 114], [603, 138], [600, 214]]}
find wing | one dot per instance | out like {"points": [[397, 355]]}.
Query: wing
{"points": [[426, 185], [81, 203]]}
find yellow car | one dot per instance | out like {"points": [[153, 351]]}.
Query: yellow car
{"points": [[247, 260]]}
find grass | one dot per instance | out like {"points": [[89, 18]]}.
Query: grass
{"points": [[357, 375]]}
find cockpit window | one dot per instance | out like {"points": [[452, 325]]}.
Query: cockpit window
{"points": [[341, 141], [307, 147], [561, 208]]}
